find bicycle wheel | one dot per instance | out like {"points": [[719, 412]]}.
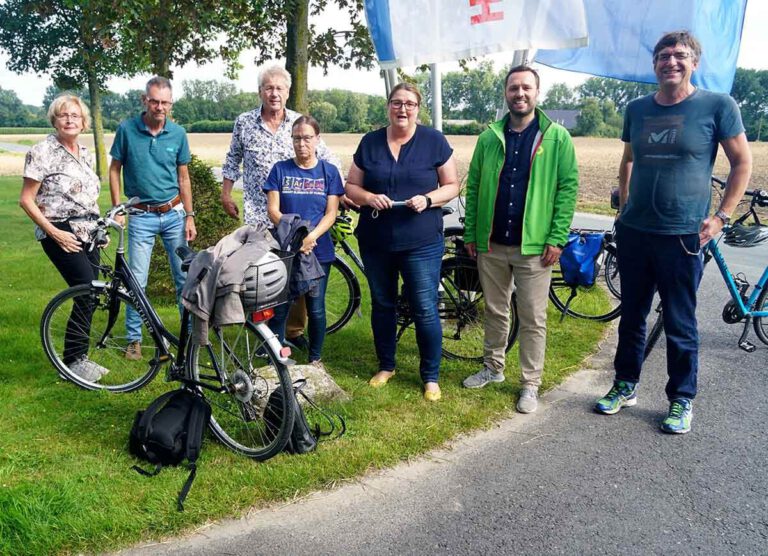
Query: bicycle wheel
{"points": [[80, 328], [342, 297], [237, 373], [611, 274], [462, 311], [596, 302], [655, 333], [761, 323]]}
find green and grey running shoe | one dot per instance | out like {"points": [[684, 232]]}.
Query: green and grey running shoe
{"points": [[679, 418], [621, 394]]}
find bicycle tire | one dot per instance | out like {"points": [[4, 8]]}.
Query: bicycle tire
{"points": [[654, 334], [342, 296], [59, 329], [461, 307], [611, 273], [761, 323], [595, 302], [237, 373]]}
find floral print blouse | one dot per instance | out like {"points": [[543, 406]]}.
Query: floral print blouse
{"points": [[258, 149], [69, 188]]}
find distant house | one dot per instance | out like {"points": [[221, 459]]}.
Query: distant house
{"points": [[566, 118]]}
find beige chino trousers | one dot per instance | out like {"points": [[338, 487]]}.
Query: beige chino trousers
{"points": [[501, 269]]}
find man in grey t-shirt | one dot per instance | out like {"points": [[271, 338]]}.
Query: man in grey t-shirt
{"points": [[670, 143]]}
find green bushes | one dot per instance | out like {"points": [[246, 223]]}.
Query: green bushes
{"points": [[211, 126], [25, 130], [211, 221], [472, 128]]}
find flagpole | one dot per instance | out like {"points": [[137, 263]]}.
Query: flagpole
{"points": [[437, 97]]}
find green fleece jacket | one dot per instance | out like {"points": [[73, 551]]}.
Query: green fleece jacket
{"points": [[552, 187]]}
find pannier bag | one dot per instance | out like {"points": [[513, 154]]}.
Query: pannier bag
{"points": [[578, 261], [169, 431]]}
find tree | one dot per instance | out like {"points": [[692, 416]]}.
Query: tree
{"points": [[590, 119], [12, 111], [472, 94], [559, 97], [324, 112], [173, 34], [750, 90], [620, 92], [211, 89], [74, 41], [283, 30]]}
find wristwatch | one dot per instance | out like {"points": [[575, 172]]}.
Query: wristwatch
{"points": [[720, 213], [191, 213], [429, 200]]}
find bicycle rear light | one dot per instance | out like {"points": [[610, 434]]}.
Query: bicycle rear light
{"points": [[263, 315]]}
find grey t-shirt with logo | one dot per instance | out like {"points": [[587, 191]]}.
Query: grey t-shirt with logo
{"points": [[673, 150]]}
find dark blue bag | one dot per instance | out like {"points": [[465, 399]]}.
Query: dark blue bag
{"points": [[578, 261]]}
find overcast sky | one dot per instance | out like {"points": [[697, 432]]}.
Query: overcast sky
{"points": [[30, 88]]}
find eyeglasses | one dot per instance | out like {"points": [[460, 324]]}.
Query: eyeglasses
{"points": [[163, 103], [73, 117], [303, 138], [679, 56], [275, 89], [410, 106]]}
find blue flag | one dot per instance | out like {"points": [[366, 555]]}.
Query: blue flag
{"points": [[622, 34]]}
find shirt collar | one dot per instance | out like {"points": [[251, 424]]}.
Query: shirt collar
{"points": [[143, 126]]}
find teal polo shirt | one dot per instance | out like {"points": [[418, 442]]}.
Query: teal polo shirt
{"points": [[150, 162]]}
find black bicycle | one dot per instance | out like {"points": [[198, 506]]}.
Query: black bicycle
{"points": [[461, 305], [237, 371]]}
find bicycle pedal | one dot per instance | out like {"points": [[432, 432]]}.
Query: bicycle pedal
{"points": [[747, 346]]}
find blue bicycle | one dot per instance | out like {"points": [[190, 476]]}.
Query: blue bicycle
{"points": [[745, 306]]}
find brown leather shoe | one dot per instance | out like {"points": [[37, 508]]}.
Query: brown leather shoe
{"points": [[133, 351]]}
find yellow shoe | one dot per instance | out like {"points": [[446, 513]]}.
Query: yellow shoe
{"points": [[380, 379], [433, 395]]}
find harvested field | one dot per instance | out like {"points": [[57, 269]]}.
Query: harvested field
{"points": [[598, 159]]}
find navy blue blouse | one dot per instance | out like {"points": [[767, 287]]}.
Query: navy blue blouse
{"points": [[413, 173]]}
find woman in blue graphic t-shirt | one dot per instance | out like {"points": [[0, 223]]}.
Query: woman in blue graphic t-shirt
{"points": [[310, 188]]}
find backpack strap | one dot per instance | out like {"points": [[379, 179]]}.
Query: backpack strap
{"points": [[158, 468], [298, 388], [197, 421]]}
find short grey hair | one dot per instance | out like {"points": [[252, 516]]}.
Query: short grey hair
{"points": [[63, 101], [160, 82], [274, 71]]}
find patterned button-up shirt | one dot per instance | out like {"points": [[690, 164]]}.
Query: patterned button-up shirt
{"points": [[69, 188], [258, 149]]}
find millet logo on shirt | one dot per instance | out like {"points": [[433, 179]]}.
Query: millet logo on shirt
{"points": [[667, 136]]}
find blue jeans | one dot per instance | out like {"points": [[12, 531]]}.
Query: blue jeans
{"points": [[142, 229], [648, 262], [316, 321], [420, 270]]}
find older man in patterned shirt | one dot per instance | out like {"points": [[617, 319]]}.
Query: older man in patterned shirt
{"points": [[261, 138]]}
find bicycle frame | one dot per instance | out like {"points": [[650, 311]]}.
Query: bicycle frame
{"points": [[745, 309]]}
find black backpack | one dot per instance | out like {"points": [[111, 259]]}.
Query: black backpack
{"points": [[169, 431], [303, 439]]}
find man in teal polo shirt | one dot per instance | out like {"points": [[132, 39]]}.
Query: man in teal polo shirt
{"points": [[153, 154]]}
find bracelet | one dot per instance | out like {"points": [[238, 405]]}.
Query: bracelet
{"points": [[191, 213], [429, 200]]}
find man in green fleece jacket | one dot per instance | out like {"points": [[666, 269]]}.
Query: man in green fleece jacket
{"points": [[520, 198]]}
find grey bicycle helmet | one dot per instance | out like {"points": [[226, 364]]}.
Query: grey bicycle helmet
{"points": [[264, 281], [746, 236]]}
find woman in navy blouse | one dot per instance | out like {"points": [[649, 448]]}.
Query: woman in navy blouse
{"points": [[410, 163]]}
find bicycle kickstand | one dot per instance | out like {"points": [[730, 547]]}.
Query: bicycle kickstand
{"points": [[745, 344]]}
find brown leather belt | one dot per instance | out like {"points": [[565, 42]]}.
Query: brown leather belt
{"points": [[162, 208]]}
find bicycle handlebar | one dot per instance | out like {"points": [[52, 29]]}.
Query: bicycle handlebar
{"points": [[759, 196]]}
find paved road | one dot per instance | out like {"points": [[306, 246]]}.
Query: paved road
{"points": [[14, 147], [561, 481]]}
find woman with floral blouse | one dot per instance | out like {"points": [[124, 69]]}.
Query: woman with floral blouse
{"points": [[60, 195]]}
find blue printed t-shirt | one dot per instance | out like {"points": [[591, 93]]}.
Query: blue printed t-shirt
{"points": [[413, 173], [673, 150], [150, 162], [305, 192]]}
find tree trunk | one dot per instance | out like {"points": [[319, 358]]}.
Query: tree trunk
{"points": [[98, 125], [297, 56]]}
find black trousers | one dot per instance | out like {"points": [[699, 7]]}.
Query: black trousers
{"points": [[75, 268]]}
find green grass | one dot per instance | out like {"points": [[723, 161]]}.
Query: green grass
{"points": [[27, 142], [25, 130], [66, 484]]}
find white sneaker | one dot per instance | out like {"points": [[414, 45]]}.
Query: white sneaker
{"points": [[87, 369], [529, 399]]}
